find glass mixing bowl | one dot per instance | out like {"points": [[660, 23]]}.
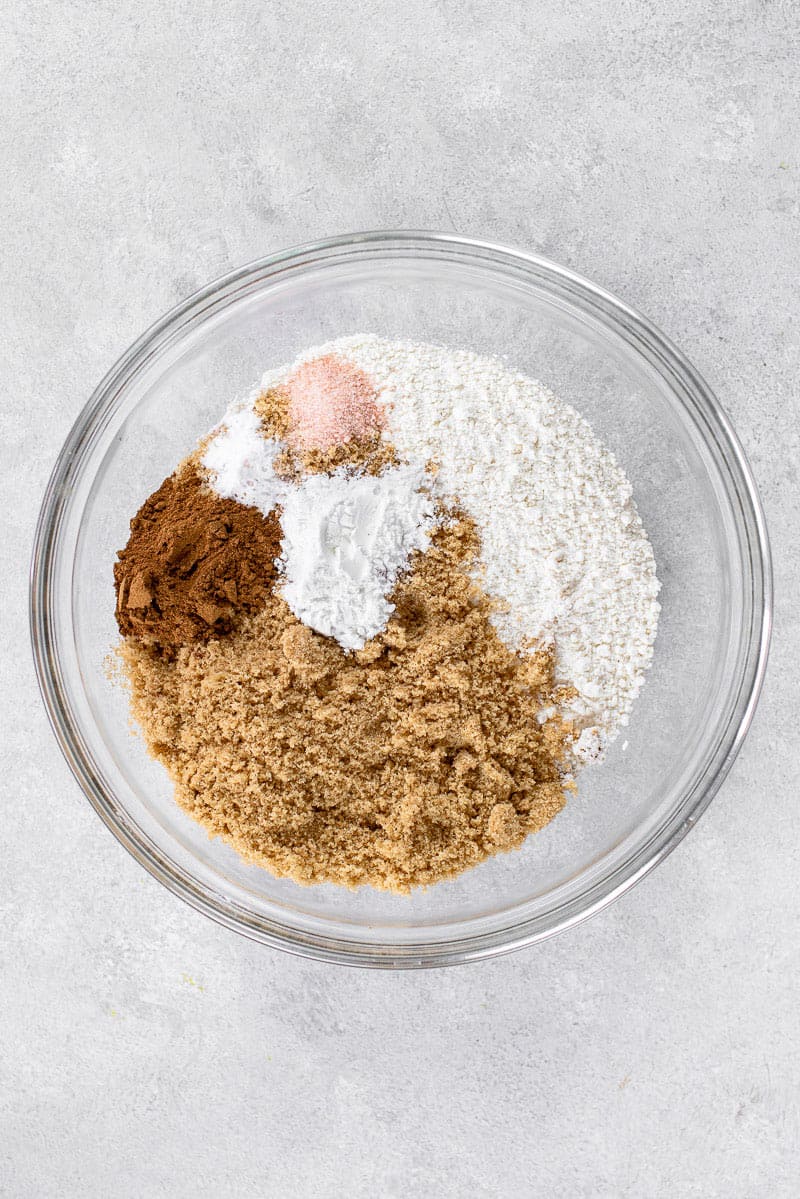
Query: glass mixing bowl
{"points": [[693, 488]]}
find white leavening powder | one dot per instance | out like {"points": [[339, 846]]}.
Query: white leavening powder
{"points": [[346, 538], [563, 548], [345, 541], [241, 459]]}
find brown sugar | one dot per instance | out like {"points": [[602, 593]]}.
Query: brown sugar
{"points": [[397, 766], [194, 563], [370, 455], [273, 408]]}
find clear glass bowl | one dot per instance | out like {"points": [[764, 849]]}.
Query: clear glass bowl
{"points": [[693, 488]]}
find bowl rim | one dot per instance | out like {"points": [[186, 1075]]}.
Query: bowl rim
{"points": [[655, 347]]}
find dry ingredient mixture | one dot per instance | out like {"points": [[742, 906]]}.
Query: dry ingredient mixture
{"points": [[378, 621]]}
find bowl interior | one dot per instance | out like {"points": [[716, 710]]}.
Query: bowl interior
{"points": [[176, 386]]}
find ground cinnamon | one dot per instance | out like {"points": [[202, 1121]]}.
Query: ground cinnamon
{"points": [[194, 563]]}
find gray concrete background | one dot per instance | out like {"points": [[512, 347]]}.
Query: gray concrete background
{"points": [[146, 148]]}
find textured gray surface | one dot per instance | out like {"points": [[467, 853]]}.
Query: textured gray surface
{"points": [[146, 148]]}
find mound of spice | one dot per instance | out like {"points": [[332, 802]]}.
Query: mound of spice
{"points": [[193, 563]]}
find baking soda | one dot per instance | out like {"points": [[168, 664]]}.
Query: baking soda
{"points": [[241, 460], [345, 541]]}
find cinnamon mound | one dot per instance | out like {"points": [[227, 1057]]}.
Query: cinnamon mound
{"points": [[193, 564]]}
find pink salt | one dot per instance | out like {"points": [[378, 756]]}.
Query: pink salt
{"points": [[330, 403]]}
